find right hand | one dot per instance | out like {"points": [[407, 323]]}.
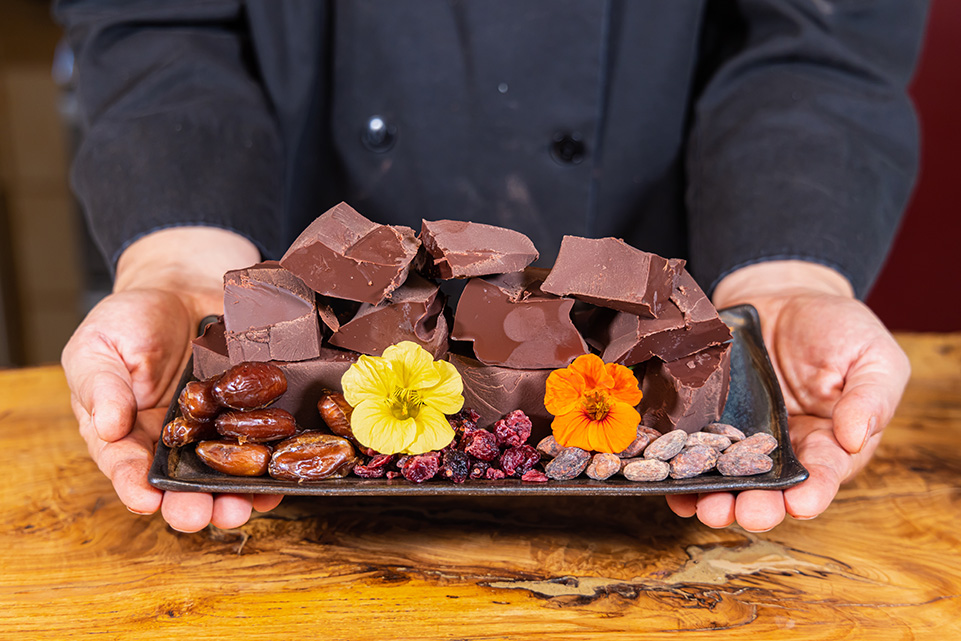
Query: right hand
{"points": [[124, 361]]}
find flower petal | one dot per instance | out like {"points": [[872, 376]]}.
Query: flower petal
{"points": [[412, 364], [564, 390], [595, 374], [447, 395], [433, 432], [571, 430], [616, 431], [375, 426], [369, 379], [625, 387]]}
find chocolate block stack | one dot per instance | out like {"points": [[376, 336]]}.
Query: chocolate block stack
{"points": [[348, 286]]}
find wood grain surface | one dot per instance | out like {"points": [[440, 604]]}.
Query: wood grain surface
{"points": [[881, 563]]}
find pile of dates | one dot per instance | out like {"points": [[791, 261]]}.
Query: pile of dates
{"points": [[655, 457], [237, 433]]}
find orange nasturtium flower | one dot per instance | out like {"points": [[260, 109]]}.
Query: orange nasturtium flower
{"points": [[593, 405]]}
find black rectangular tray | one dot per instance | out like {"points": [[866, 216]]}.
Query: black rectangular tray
{"points": [[754, 404]]}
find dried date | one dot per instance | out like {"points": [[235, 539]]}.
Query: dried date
{"points": [[312, 456], [197, 400], [257, 426], [181, 431], [236, 459], [250, 386]]}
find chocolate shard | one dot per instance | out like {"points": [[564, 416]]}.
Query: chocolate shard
{"points": [[414, 312], [688, 393], [344, 255], [687, 324], [610, 273], [514, 324], [334, 312], [460, 249], [269, 315], [494, 392], [210, 351]]}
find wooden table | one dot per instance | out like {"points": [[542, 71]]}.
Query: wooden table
{"points": [[881, 563]]}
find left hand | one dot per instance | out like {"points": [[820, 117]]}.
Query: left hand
{"points": [[842, 375]]}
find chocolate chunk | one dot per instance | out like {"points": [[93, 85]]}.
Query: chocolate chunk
{"points": [[496, 391], [688, 393], [610, 273], [514, 324], [210, 351], [344, 255], [269, 315], [459, 249], [412, 313]]}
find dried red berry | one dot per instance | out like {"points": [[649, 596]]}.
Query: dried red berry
{"points": [[519, 460], [513, 430], [481, 444], [494, 474], [455, 466], [478, 469], [422, 467], [534, 476], [464, 420], [375, 468], [391, 474]]}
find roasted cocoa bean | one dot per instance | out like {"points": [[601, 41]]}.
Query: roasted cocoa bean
{"points": [[644, 469], [743, 463], [250, 386], [644, 437], [181, 431], [548, 447], [725, 430], [667, 446], [762, 443], [718, 441], [257, 426], [603, 466], [236, 459], [568, 464], [692, 461], [312, 456], [197, 400]]}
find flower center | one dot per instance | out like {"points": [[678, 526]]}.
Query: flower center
{"points": [[596, 405], [405, 403]]}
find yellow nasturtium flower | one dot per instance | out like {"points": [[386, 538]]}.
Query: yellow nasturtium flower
{"points": [[400, 400]]}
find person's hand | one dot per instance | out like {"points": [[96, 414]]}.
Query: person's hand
{"points": [[842, 375], [124, 361]]}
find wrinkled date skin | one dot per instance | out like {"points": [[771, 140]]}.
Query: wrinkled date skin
{"points": [[257, 426], [312, 456], [237, 459], [197, 400], [250, 386], [181, 431], [335, 411]]}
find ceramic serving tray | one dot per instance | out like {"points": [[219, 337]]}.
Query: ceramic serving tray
{"points": [[754, 404]]}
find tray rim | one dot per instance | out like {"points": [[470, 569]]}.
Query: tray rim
{"points": [[788, 470]]}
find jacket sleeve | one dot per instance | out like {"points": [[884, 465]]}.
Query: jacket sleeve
{"points": [[177, 130], [804, 143]]}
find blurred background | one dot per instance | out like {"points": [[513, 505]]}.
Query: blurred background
{"points": [[50, 274]]}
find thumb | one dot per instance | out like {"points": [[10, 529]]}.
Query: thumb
{"points": [[101, 383], [872, 389]]}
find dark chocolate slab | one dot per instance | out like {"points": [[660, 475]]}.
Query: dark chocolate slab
{"points": [[754, 404], [688, 393], [461, 249]]}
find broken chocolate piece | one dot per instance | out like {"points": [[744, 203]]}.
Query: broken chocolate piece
{"points": [[210, 351], [610, 273], [514, 324], [344, 255], [460, 249], [700, 315], [414, 312], [494, 392], [688, 393], [269, 315]]}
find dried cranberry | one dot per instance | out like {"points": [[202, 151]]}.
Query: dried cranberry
{"points": [[421, 468], [375, 468], [494, 474], [513, 430], [519, 460], [478, 469], [455, 466], [464, 420], [534, 476], [481, 444], [391, 474]]}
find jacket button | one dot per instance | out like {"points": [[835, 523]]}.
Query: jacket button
{"points": [[378, 136], [568, 148]]}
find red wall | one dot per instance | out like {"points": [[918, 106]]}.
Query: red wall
{"points": [[920, 286]]}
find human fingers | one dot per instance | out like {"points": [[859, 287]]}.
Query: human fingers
{"points": [[828, 465], [187, 511], [266, 502], [872, 390], [759, 510], [101, 383], [716, 509], [684, 505], [230, 510]]}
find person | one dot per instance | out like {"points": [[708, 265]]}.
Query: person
{"points": [[771, 143]]}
